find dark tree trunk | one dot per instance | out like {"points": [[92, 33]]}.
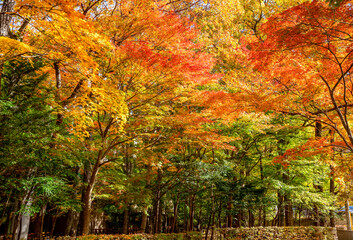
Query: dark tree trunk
{"points": [[53, 226], [126, 221], [87, 199], [348, 216], [160, 222], [38, 224], [229, 213], [191, 212], [144, 220], [288, 211], [281, 215], [156, 209], [186, 216], [251, 219], [211, 214], [264, 218], [175, 214], [199, 220], [332, 191], [220, 213]]}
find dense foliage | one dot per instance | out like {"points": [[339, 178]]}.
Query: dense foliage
{"points": [[149, 116]]}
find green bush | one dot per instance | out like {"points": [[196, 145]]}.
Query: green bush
{"points": [[280, 233], [162, 236]]}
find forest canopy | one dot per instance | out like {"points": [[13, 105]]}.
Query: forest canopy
{"points": [[173, 116]]}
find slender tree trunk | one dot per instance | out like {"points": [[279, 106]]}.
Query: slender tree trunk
{"points": [[72, 222], [213, 222], [87, 200], [264, 218], [199, 220], [53, 226], [220, 213], [186, 216], [280, 211], [299, 217], [159, 222], [332, 191], [288, 211], [39, 221], [348, 216], [126, 221], [13, 216], [212, 211], [251, 219], [229, 213], [175, 214], [191, 212], [318, 221], [20, 230], [144, 220]]}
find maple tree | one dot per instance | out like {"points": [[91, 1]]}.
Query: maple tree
{"points": [[305, 56], [131, 83]]}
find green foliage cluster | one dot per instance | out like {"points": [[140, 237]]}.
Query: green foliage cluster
{"points": [[280, 233], [170, 236]]}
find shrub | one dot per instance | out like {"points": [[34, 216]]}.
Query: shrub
{"points": [[162, 236], [280, 233]]}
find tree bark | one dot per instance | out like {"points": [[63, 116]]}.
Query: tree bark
{"points": [[144, 220], [126, 221], [159, 222], [332, 191], [5, 17], [191, 212], [87, 200], [288, 211], [229, 213], [281, 214], [39, 221], [175, 215], [348, 216]]}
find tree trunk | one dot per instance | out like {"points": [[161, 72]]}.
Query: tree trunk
{"points": [[144, 220], [212, 212], [288, 211], [87, 199], [281, 215], [199, 222], [251, 219], [53, 226], [229, 213], [318, 221], [159, 222], [5, 17], [71, 224], [22, 220], [175, 215], [264, 218], [191, 212], [126, 221], [332, 191], [348, 216], [39, 221]]}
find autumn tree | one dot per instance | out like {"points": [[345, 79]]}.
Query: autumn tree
{"points": [[305, 61]]}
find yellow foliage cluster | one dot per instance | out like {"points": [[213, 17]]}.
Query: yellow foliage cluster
{"points": [[11, 48]]}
